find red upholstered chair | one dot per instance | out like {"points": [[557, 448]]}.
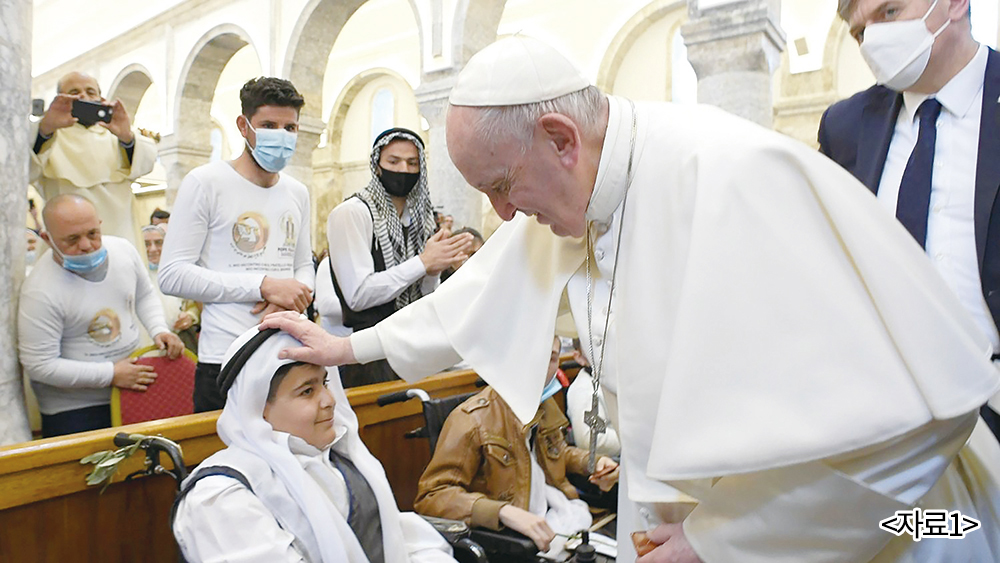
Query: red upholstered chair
{"points": [[170, 395]]}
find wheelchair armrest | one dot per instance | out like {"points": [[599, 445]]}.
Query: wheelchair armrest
{"points": [[505, 542], [457, 533], [452, 530]]}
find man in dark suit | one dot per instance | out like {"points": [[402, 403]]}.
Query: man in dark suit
{"points": [[926, 141]]}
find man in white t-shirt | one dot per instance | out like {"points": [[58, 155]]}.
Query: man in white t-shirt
{"points": [[239, 233], [77, 319]]}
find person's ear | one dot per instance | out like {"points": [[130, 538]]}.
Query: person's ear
{"points": [[241, 124], [562, 134], [45, 237], [958, 9]]}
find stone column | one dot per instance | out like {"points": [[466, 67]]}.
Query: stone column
{"points": [[301, 168], [15, 106], [178, 158], [449, 191], [301, 165], [735, 47]]}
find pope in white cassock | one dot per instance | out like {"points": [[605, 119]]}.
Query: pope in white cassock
{"points": [[784, 366]]}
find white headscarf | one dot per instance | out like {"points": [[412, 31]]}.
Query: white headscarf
{"points": [[293, 497]]}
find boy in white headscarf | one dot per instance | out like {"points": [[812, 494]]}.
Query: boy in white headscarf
{"points": [[295, 483]]}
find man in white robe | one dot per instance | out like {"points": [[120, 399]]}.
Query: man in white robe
{"points": [[98, 162], [788, 383]]}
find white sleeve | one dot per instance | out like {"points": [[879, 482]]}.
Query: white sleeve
{"points": [[349, 234], [143, 156], [180, 274], [40, 330], [148, 306], [423, 543], [421, 346], [221, 520], [304, 271]]}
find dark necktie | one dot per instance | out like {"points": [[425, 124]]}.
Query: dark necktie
{"points": [[915, 187]]}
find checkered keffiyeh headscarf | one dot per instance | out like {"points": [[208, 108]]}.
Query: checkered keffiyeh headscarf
{"points": [[397, 246]]}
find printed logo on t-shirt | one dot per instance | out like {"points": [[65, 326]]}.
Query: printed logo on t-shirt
{"points": [[250, 232], [105, 327], [288, 228]]}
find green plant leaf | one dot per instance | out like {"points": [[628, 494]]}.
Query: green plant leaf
{"points": [[95, 457]]}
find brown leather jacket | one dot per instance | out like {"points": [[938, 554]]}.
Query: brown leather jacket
{"points": [[481, 462]]}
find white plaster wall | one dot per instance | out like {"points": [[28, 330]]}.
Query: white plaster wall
{"points": [[381, 34], [226, 106], [356, 141], [852, 73], [581, 29], [644, 71]]}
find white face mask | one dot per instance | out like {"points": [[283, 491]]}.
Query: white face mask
{"points": [[898, 52]]}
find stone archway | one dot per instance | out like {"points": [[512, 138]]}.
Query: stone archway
{"points": [[306, 59], [335, 171], [629, 34], [474, 27], [803, 97], [190, 144], [130, 85]]}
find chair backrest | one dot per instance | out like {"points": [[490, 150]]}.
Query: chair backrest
{"points": [[170, 395], [436, 411]]}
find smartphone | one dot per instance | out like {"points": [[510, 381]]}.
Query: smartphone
{"points": [[89, 113]]}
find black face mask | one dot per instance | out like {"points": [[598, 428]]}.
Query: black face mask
{"points": [[399, 184]]}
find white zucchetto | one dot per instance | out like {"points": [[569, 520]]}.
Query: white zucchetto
{"points": [[516, 70]]}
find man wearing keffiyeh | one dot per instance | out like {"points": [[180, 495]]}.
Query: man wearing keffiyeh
{"points": [[384, 253]]}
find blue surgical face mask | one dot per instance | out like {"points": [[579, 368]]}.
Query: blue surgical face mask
{"points": [[153, 267], [551, 389], [274, 147], [83, 264]]}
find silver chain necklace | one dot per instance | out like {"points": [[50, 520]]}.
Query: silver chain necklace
{"points": [[592, 418]]}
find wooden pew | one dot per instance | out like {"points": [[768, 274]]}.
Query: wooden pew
{"points": [[48, 513]]}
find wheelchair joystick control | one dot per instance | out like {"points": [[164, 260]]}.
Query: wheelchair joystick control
{"points": [[585, 553]]}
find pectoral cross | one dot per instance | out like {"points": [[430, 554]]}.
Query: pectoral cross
{"points": [[597, 426]]}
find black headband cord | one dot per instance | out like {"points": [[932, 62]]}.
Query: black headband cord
{"points": [[235, 364]]}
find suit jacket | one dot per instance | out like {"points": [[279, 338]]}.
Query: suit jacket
{"points": [[856, 133]]}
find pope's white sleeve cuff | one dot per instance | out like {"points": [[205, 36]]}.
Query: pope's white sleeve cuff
{"points": [[367, 346]]}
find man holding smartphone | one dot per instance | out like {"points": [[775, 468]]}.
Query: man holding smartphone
{"points": [[86, 146]]}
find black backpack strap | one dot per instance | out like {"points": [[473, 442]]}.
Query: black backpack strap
{"points": [[198, 476]]}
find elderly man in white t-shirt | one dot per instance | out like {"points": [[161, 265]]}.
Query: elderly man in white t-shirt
{"points": [[77, 320]]}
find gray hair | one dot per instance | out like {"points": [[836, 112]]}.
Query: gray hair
{"points": [[517, 122]]}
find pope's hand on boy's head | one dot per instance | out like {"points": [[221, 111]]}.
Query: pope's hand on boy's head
{"points": [[318, 346]]}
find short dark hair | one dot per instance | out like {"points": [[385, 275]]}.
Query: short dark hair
{"points": [[269, 91], [475, 234], [158, 214], [279, 376]]}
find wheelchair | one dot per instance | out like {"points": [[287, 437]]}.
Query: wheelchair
{"points": [[500, 546], [455, 533]]}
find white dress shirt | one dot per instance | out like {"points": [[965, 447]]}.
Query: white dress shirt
{"points": [[349, 232], [331, 314], [951, 230]]}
